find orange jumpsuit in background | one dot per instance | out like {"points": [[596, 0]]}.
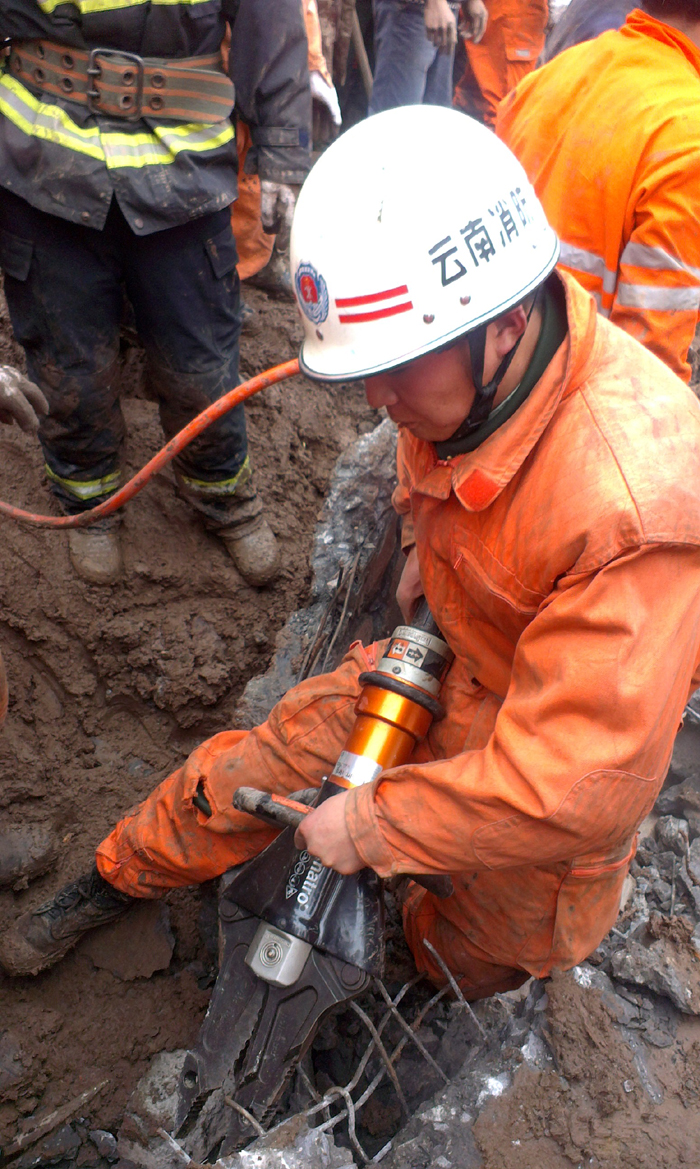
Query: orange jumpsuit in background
{"points": [[609, 134], [561, 560], [509, 49]]}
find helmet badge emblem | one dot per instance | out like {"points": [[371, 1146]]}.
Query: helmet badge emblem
{"points": [[312, 292]]}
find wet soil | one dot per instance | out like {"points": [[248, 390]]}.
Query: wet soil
{"points": [[594, 1108], [110, 688]]}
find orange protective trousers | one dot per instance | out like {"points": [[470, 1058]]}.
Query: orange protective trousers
{"points": [[167, 842], [507, 52]]}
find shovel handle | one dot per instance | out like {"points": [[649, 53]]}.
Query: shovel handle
{"points": [[285, 813]]}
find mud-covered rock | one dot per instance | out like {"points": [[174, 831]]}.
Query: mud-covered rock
{"points": [[61, 1145], [105, 1143], [26, 852], [664, 967], [151, 1107], [355, 551], [137, 945], [672, 833]]}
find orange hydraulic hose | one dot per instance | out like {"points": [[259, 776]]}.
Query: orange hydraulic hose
{"points": [[278, 373]]}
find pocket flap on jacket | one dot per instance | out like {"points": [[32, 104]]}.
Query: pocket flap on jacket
{"points": [[15, 255], [222, 253]]}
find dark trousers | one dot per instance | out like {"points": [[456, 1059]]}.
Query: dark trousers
{"points": [[65, 288], [409, 70]]}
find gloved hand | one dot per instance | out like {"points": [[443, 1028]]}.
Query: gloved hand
{"points": [[477, 18], [327, 95], [440, 25], [20, 400], [277, 203]]}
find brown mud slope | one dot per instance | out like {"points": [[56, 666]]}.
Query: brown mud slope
{"points": [[110, 689], [596, 1110]]}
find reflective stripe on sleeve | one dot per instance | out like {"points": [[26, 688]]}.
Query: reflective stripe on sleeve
{"points": [[589, 262], [652, 297], [117, 149], [656, 259]]}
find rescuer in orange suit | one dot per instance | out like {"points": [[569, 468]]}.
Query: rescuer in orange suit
{"points": [[549, 479], [507, 52], [609, 134]]}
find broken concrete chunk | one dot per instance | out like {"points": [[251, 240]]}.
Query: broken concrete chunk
{"points": [[665, 967], [135, 946], [673, 833], [12, 1069], [694, 861], [308, 1149], [26, 853], [105, 1143], [59, 1146], [152, 1106], [679, 799]]}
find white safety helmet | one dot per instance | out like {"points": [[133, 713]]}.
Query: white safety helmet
{"points": [[415, 227]]}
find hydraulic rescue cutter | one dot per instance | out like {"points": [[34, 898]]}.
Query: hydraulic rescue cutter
{"points": [[296, 938]]}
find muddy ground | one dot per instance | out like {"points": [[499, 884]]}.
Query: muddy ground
{"points": [[111, 688]]}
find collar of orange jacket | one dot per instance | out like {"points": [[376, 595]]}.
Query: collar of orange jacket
{"points": [[479, 476], [641, 22]]}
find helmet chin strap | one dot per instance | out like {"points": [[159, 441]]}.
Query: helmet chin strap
{"points": [[485, 394]]}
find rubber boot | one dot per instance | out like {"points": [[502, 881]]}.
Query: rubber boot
{"points": [[238, 521], [42, 936], [96, 552], [254, 550]]}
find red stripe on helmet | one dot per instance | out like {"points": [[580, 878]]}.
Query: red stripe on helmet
{"points": [[351, 301], [391, 311]]}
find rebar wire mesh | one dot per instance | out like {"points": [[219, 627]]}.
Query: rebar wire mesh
{"points": [[351, 1104]]}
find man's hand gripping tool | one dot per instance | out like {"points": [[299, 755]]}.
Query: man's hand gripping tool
{"points": [[297, 938]]}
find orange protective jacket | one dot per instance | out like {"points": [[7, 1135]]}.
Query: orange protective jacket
{"points": [[561, 560], [609, 134], [507, 52]]}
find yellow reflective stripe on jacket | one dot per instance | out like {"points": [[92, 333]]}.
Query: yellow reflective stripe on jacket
{"points": [[86, 7], [163, 144], [41, 120], [86, 488], [117, 149]]}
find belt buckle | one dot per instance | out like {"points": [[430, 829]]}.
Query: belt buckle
{"points": [[94, 72]]}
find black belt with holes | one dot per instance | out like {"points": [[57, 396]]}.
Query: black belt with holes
{"points": [[123, 85]]}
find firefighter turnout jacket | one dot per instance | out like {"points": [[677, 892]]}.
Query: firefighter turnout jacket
{"points": [[69, 157], [560, 559], [609, 134]]}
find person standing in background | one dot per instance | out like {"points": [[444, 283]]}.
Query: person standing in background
{"points": [[498, 60]]}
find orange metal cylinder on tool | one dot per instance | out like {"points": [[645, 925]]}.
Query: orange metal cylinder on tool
{"points": [[397, 704]]}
